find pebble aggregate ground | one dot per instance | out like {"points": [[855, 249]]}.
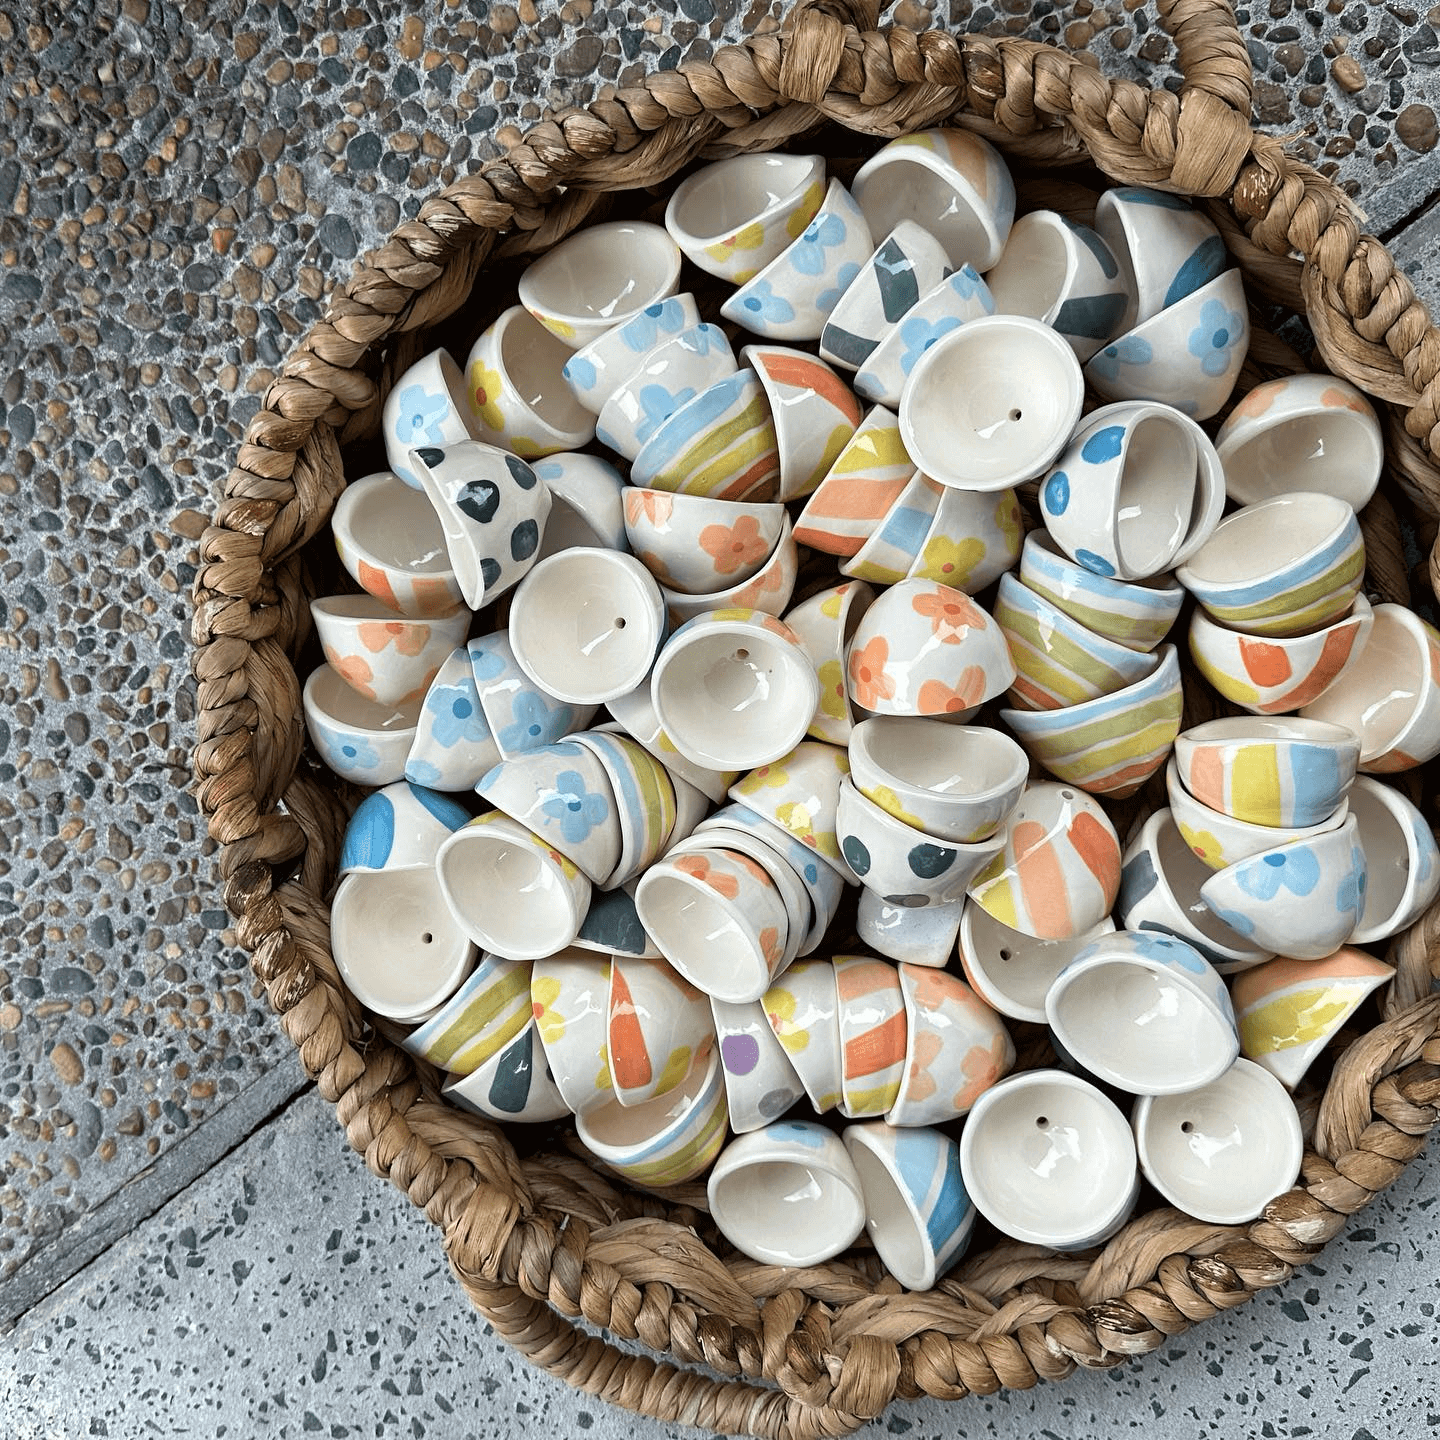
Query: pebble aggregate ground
{"points": [[180, 186]]}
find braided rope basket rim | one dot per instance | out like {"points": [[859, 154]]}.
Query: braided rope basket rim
{"points": [[546, 1242]]}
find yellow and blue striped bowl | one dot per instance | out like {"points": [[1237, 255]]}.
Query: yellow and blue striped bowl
{"points": [[1233, 575], [644, 801], [721, 444], [1059, 661], [514, 1084], [1135, 613], [667, 1139], [487, 1012], [1113, 745]]}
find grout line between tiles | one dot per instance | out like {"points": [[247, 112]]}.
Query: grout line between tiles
{"points": [[51, 1265]]}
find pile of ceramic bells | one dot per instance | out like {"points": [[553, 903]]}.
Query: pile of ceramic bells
{"points": [[598, 941]]}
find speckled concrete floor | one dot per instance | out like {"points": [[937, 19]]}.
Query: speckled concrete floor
{"points": [[180, 185]]}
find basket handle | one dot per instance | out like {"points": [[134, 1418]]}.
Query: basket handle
{"points": [[1210, 50]]}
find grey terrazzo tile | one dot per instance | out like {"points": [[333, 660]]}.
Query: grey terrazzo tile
{"points": [[290, 1293], [180, 185]]}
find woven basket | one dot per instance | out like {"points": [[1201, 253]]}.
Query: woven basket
{"points": [[544, 1242]]}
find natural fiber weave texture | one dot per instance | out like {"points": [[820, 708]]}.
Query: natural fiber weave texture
{"points": [[543, 1242]]}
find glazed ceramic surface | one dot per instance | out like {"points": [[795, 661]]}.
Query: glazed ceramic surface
{"points": [[1284, 673], [599, 277], [398, 827], [587, 505], [1010, 971], [1058, 662], [787, 1195], [814, 412], [825, 625], [1188, 355], [570, 999], [510, 891], [956, 1048], [514, 1085], [1063, 274], [1268, 771], [871, 1013], [385, 657], [718, 918], [734, 688], [926, 649], [917, 937], [769, 589], [802, 1008], [760, 1083], [1289, 1010], [745, 843], [1304, 898], [1059, 871], [427, 405], [1144, 1012], [823, 883], [395, 948], [697, 545], [561, 793], [801, 794], [904, 865], [894, 547], [644, 798], [518, 713], [595, 370], [586, 623], [954, 782], [1220, 839], [664, 1141], [1402, 862], [1166, 249], [611, 926], [1284, 566], [1224, 1151], [861, 485], [493, 510], [1160, 890], [390, 540], [992, 403], [722, 443], [792, 297], [734, 217], [636, 713], [1112, 745], [908, 263], [1390, 696], [667, 377], [952, 182], [357, 738], [1049, 1160], [974, 538], [483, 1016], [960, 297], [1138, 488], [517, 392], [916, 1209], [453, 746], [1302, 432], [1135, 614], [658, 1027]]}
